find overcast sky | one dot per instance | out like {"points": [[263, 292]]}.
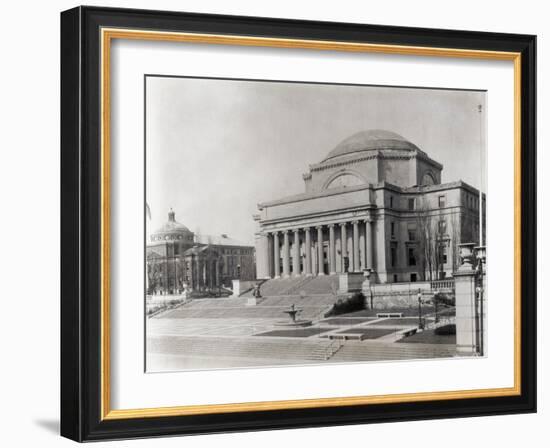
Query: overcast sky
{"points": [[215, 148]]}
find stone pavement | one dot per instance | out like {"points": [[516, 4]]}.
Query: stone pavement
{"points": [[178, 342]]}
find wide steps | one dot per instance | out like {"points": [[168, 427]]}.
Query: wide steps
{"points": [[217, 302], [301, 285], [268, 307], [255, 347], [303, 349], [391, 351]]}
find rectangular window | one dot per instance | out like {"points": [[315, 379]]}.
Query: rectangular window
{"points": [[395, 278], [441, 201], [411, 203], [393, 252], [412, 234], [392, 229], [443, 255], [411, 256], [391, 201], [413, 277], [442, 227]]}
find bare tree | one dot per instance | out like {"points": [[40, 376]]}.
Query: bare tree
{"points": [[154, 270], [197, 235], [454, 233], [424, 230]]}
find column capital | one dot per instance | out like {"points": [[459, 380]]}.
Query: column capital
{"points": [[285, 232], [355, 221], [319, 227], [296, 230], [331, 226], [342, 224]]}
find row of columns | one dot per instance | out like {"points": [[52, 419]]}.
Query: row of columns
{"points": [[286, 256], [202, 273], [205, 274]]}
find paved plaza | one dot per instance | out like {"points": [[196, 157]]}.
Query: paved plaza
{"points": [[176, 341]]}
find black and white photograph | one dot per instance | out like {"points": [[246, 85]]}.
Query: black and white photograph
{"points": [[275, 224], [296, 223]]}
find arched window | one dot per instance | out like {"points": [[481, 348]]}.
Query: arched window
{"points": [[428, 179], [345, 180]]}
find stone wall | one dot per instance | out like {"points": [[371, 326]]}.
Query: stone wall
{"points": [[242, 286], [398, 295]]}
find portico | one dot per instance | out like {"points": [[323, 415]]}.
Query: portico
{"points": [[318, 250]]}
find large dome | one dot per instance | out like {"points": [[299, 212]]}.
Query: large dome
{"points": [[371, 140]]}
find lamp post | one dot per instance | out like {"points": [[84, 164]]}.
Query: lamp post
{"points": [[480, 255], [420, 323], [479, 308], [436, 298]]}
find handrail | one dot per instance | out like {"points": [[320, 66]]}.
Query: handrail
{"points": [[442, 284], [329, 352]]}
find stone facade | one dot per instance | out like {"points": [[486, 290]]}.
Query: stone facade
{"points": [[375, 202], [176, 257]]}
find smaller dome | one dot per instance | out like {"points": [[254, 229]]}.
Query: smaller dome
{"points": [[371, 140], [171, 227]]}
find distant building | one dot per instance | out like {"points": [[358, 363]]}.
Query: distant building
{"points": [[175, 257], [375, 202]]}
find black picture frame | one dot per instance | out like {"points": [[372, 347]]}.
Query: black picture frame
{"points": [[81, 224]]}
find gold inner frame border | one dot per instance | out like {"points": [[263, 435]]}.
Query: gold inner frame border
{"points": [[107, 35]]}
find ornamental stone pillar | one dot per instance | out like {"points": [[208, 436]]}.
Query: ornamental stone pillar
{"points": [[356, 261], [262, 255], [344, 244], [468, 317], [308, 251], [296, 253], [331, 250], [286, 254], [276, 256], [320, 257]]}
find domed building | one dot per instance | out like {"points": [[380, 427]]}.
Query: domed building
{"points": [[173, 231], [375, 202], [178, 258]]}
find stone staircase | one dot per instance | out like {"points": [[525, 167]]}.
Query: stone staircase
{"points": [[299, 349], [298, 286], [325, 352], [268, 307], [258, 347], [386, 351], [301, 285]]}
